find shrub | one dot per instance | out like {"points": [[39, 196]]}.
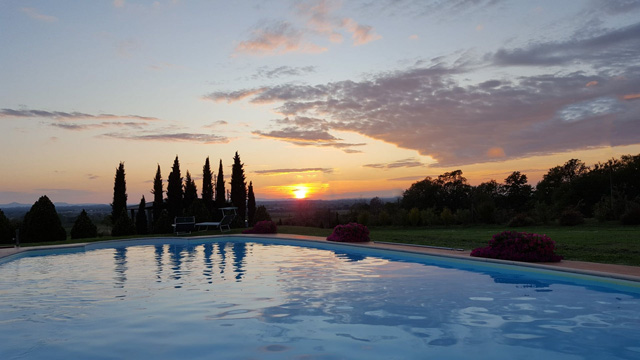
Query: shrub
{"points": [[262, 227], [571, 218], [83, 227], [41, 223], [519, 246], [446, 216], [351, 232], [261, 214], [520, 220], [6, 229], [414, 217], [631, 216], [123, 226]]}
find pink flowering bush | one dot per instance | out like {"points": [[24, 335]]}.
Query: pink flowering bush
{"points": [[262, 227], [352, 232], [519, 246]]}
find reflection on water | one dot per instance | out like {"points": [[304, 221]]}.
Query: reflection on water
{"points": [[120, 260], [249, 300]]}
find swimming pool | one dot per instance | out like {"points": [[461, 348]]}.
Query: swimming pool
{"points": [[237, 298]]}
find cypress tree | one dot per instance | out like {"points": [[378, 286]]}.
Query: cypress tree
{"points": [[119, 194], [220, 191], [41, 223], [157, 192], [174, 191], [190, 191], [251, 206], [141, 218], [239, 189], [124, 225], [207, 185], [6, 229], [83, 227]]}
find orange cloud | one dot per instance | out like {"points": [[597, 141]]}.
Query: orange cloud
{"points": [[592, 83], [631, 97], [277, 39], [361, 34], [496, 152]]}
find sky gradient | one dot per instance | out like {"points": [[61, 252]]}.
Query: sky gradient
{"points": [[343, 98]]}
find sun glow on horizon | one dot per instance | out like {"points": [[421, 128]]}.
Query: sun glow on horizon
{"points": [[300, 192]]}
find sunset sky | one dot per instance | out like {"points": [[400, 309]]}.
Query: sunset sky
{"points": [[340, 99]]}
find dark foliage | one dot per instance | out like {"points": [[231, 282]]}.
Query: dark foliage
{"points": [[207, 186], [351, 232], [83, 227], [262, 227], [520, 220], [262, 214], [571, 217], [142, 224], [6, 230], [631, 216], [199, 210], [251, 205], [124, 225], [119, 194], [190, 191], [42, 224], [162, 225], [158, 201], [221, 200], [239, 189], [174, 190]]}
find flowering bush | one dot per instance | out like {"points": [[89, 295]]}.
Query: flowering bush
{"points": [[262, 227], [352, 232], [519, 246]]}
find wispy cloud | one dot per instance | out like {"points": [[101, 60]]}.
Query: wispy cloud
{"points": [[277, 38], [361, 34], [404, 163], [175, 137], [61, 115], [266, 72], [294, 171], [35, 14], [82, 127]]}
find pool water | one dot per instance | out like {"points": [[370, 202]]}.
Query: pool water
{"points": [[271, 299]]}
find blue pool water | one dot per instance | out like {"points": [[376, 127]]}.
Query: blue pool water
{"points": [[231, 298]]}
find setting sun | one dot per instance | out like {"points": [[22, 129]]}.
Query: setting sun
{"points": [[300, 192]]}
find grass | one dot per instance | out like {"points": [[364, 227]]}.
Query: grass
{"points": [[592, 241]]}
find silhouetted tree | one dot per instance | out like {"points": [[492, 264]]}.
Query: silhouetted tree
{"points": [[174, 191], [158, 202], [517, 192], [119, 194], [41, 223], [239, 189], [251, 205], [190, 191], [123, 226], [207, 186], [83, 227], [142, 226], [6, 229], [220, 190]]}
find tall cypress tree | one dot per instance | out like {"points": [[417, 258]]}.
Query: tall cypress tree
{"points": [[157, 192], [239, 189], [119, 194], [141, 218], [220, 191], [190, 191], [207, 185], [174, 191], [251, 206]]}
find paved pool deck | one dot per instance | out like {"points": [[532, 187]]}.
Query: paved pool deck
{"points": [[624, 272]]}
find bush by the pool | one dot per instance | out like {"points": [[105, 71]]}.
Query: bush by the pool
{"points": [[519, 246], [262, 227], [352, 232]]}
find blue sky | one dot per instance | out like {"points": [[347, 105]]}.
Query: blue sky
{"points": [[341, 98]]}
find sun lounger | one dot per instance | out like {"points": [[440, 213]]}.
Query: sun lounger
{"points": [[184, 224], [223, 225]]}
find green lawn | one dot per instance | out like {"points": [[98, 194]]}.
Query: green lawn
{"points": [[594, 242]]}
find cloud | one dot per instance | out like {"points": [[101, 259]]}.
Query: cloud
{"points": [[277, 38], [35, 14], [404, 163], [294, 171], [361, 34], [233, 95], [266, 72], [118, 3], [60, 115], [216, 124], [434, 109], [186, 137], [408, 178], [82, 127]]}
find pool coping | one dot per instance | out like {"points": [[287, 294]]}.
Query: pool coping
{"points": [[623, 272]]}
